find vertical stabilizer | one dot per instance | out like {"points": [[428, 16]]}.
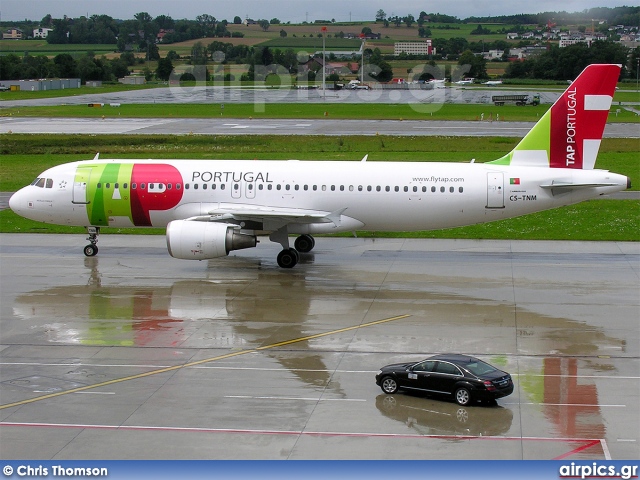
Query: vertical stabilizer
{"points": [[570, 132]]}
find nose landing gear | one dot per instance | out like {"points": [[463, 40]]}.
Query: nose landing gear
{"points": [[91, 250]]}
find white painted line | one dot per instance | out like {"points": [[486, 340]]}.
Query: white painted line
{"points": [[606, 377], [566, 404], [94, 393], [299, 398], [438, 127], [212, 367], [605, 449]]}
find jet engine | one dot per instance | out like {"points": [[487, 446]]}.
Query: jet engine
{"points": [[195, 240]]}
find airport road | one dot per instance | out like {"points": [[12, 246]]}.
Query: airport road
{"points": [[231, 126], [135, 355]]}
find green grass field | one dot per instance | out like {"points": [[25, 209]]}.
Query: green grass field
{"points": [[369, 111], [41, 47]]}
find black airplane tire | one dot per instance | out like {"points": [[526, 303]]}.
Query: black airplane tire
{"points": [[287, 258], [304, 243], [90, 250]]}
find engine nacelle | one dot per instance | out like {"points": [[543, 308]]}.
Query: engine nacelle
{"points": [[193, 240]]}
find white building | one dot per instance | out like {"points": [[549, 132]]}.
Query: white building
{"points": [[41, 32], [493, 54], [414, 48]]}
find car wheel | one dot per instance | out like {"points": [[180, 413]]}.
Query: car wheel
{"points": [[389, 385], [462, 415], [389, 403], [463, 397]]}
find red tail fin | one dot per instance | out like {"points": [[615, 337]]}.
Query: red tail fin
{"points": [[579, 116], [568, 135]]}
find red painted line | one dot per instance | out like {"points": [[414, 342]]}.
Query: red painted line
{"points": [[587, 445], [591, 442], [585, 442]]}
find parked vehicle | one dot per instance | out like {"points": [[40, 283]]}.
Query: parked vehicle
{"points": [[500, 100], [461, 377]]}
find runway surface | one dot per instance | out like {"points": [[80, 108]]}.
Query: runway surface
{"points": [[135, 355], [231, 126], [425, 100]]}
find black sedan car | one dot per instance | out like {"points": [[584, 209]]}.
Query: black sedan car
{"points": [[463, 378]]}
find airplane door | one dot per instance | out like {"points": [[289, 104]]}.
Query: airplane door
{"points": [[250, 190], [236, 190], [495, 190], [80, 183]]}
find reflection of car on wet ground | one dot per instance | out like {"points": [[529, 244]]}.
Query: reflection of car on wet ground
{"points": [[461, 377], [432, 417]]}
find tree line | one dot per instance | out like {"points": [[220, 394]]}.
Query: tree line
{"points": [[85, 67], [566, 63], [629, 16], [555, 64], [139, 31]]}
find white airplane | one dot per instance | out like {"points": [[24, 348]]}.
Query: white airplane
{"points": [[437, 83], [211, 207], [466, 81], [492, 83]]}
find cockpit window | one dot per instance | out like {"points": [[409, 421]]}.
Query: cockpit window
{"points": [[43, 182]]}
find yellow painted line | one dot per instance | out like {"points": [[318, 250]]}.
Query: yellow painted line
{"points": [[200, 362]]}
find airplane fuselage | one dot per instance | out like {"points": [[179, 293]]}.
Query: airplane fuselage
{"points": [[402, 196]]}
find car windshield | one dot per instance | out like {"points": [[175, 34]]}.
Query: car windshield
{"points": [[478, 367]]}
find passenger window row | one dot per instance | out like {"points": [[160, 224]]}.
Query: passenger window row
{"points": [[40, 182], [142, 186], [324, 188]]}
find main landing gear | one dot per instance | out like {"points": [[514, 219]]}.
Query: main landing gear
{"points": [[289, 257], [91, 250]]}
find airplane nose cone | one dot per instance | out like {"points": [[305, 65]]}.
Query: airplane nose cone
{"points": [[16, 202], [13, 202]]}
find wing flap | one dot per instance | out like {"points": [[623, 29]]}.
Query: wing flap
{"points": [[271, 217], [261, 212]]}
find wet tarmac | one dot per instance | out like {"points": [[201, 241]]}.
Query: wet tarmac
{"points": [[269, 126], [135, 355], [423, 100]]}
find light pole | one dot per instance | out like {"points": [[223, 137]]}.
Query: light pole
{"points": [[324, 59], [362, 36]]}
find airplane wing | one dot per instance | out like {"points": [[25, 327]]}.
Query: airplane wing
{"points": [[272, 217]]}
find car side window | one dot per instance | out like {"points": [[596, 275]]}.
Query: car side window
{"points": [[444, 367], [423, 366]]}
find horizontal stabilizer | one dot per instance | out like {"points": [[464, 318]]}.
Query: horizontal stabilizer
{"points": [[572, 186], [562, 188]]}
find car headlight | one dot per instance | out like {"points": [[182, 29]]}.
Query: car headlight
{"points": [[379, 372]]}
